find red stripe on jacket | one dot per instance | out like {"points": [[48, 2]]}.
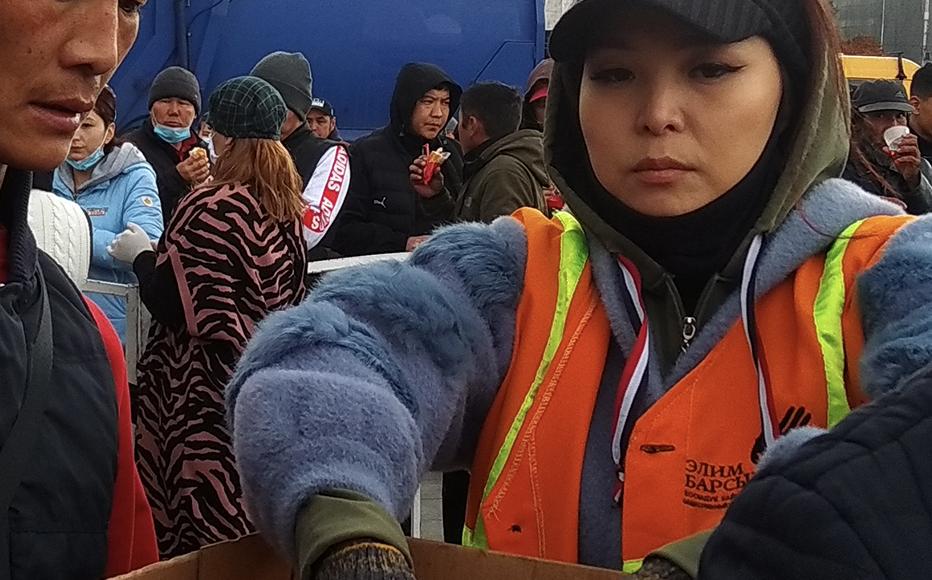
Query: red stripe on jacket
{"points": [[131, 534]]}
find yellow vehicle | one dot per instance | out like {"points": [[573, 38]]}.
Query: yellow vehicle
{"points": [[859, 69]]}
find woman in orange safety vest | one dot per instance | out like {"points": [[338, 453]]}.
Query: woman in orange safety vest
{"points": [[612, 376]]}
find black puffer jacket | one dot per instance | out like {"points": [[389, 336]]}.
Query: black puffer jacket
{"points": [[855, 504], [306, 150], [63, 473], [382, 210], [164, 158]]}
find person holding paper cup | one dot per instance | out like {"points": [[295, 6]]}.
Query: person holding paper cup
{"points": [[885, 158]]}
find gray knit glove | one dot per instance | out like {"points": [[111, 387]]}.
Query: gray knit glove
{"points": [[365, 561], [661, 569]]}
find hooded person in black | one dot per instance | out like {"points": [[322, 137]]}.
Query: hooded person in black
{"points": [[384, 210]]}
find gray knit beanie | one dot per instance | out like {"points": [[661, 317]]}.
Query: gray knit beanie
{"points": [[290, 74], [178, 83]]}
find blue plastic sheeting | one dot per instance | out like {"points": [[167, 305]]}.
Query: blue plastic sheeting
{"points": [[355, 47]]}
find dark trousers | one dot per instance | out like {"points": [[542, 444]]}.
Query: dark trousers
{"points": [[455, 493]]}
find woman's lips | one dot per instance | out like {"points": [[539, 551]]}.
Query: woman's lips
{"points": [[661, 171]]}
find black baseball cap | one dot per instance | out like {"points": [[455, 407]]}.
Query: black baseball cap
{"points": [[881, 95], [782, 22], [322, 106]]}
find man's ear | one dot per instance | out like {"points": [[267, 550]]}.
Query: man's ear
{"points": [[915, 102], [472, 123]]}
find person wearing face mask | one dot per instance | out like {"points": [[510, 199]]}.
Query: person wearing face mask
{"points": [[71, 501], [167, 138], [116, 187], [612, 376], [895, 170]]}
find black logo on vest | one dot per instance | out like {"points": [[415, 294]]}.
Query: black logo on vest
{"points": [[712, 487], [794, 417]]}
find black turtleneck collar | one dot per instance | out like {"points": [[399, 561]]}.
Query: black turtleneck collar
{"points": [[14, 212], [696, 246]]}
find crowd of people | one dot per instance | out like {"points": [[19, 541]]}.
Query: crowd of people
{"points": [[738, 283]]}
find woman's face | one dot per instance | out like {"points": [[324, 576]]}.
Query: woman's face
{"points": [[221, 143], [90, 136], [672, 120]]}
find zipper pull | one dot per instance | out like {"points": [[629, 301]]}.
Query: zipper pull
{"points": [[689, 332]]}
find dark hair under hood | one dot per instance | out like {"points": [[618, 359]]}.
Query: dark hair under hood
{"points": [[813, 148], [413, 82]]}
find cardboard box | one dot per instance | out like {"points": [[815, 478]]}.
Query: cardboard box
{"points": [[251, 559]]}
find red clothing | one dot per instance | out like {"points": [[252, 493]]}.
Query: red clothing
{"points": [[131, 534], [186, 146]]}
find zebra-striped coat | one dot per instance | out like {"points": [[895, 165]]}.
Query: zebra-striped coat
{"points": [[232, 265]]}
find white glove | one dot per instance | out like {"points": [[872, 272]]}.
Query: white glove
{"points": [[129, 244]]}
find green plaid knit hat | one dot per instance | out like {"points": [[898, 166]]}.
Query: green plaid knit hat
{"points": [[247, 108]]}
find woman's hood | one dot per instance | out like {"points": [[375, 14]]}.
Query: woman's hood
{"points": [[818, 147]]}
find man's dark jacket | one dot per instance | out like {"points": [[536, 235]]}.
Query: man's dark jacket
{"points": [[382, 209]]}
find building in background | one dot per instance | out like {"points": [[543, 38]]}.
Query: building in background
{"points": [[896, 25], [554, 9]]}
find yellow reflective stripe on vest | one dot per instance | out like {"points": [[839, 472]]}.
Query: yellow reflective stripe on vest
{"points": [[632, 566], [574, 253], [828, 312]]}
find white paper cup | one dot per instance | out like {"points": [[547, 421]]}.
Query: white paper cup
{"points": [[893, 135]]}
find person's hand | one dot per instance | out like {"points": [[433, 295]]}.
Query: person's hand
{"points": [[658, 568], [365, 559], [417, 179], [195, 169], [908, 160], [414, 242], [129, 244]]}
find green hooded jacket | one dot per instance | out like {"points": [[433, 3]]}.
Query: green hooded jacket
{"points": [[818, 152]]}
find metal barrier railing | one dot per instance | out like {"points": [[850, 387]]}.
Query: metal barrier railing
{"points": [[138, 320]]}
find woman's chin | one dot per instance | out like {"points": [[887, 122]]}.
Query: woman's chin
{"points": [[664, 202]]}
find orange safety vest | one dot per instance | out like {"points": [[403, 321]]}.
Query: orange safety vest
{"points": [[690, 454]]}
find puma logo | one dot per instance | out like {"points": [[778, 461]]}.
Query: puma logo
{"points": [[380, 202]]}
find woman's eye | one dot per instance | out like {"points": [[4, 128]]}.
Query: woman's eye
{"points": [[612, 76], [712, 71]]}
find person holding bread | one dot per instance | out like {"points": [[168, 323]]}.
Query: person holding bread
{"points": [[168, 139]]}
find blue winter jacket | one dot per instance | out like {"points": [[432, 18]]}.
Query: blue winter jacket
{"points": [[122, 189]]}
